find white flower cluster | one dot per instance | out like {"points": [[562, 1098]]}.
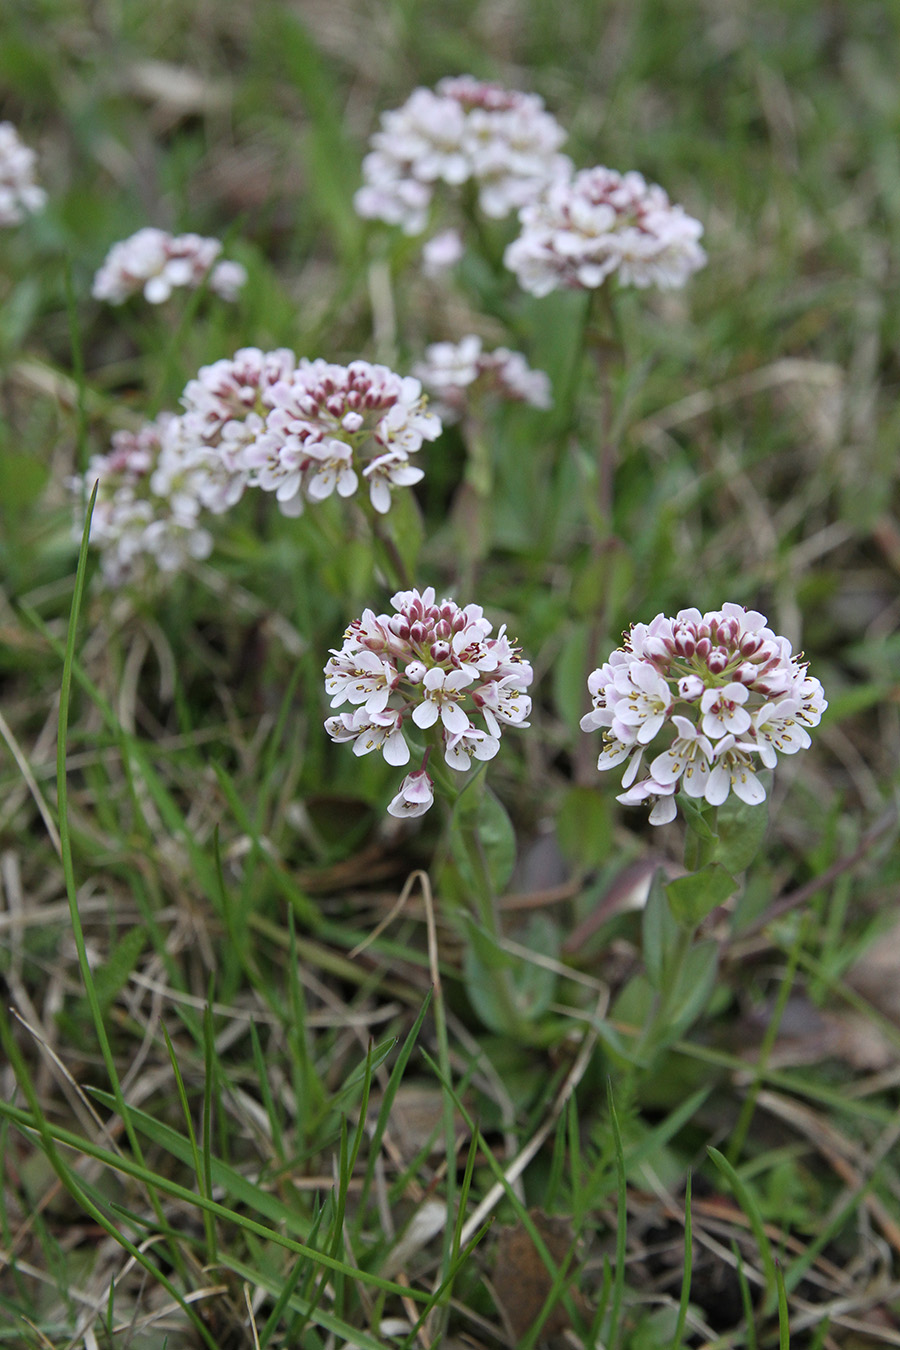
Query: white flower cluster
{"points": [[257, 419], [225, 415], [725, 689], [437, 664], [145, 519], [20, 195], [582, 229], [454, 371], [465, 130], [330, 424], [156, 262]]}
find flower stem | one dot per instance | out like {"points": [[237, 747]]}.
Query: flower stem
{"points": [[475, 882]]}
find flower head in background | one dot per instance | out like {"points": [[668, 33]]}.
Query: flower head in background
{"points": [[455, 371], [225, 411], [20, 195], [434, 664], [716, 695], [145, 521], [464, 130], [330, 426], [584, 228], [156, 263]]}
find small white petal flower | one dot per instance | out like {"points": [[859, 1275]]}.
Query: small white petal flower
{"points": [[442, 691], [582, 229], [416, 795], [733, 771], [723, 711], [401, 665], [156, 262], [689, 755], [465, 130], [730, 689], [20, 195]]}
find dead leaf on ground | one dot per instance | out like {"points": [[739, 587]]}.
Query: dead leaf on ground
{"points": [[875, 974], [808, 1034], [522, 1282]]}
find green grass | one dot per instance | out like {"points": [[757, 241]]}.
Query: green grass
{"points": [[219, 1123]]}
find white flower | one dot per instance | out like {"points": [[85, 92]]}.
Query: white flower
{"points": [[582, 229], [441, 252], [457, 373], [360, 677], [371, 731], [465, 130], [661, 794], [228, 279], [643, 702], [422, 662], [689, 754], [416, 795], [156, 262], [723, 711], [720, 686], [733, 771], [776, 728], [20, 195], [461, 747], [442, 692], [146, 515], [328, 425]]}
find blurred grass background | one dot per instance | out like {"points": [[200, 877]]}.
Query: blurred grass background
{"points": [[760, 425]]}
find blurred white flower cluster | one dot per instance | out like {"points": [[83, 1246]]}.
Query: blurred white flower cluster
{"points": [[299, 429], [464, 130], [456, 371], [721, 686], [156, 263], [331, 425], [582, 229], [436, 664], [146, 516], [20, 195]]}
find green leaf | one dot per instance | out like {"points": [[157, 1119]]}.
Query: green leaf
{"points": [[111, 976], [741, 830], [694, 896], [332, 161], [659, 930], [695, 812], [22, 479], [693, 987], [570, 692], [480, 820], [533, 986], [584, 827]]}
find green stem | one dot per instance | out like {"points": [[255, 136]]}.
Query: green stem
{"points": [[479, 886], [742, 1129], [385, 546]]}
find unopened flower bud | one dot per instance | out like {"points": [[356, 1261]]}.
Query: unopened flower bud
{"points": [[415, 671], [351, 422], [691, 687], [704, 647], [417, 631], [440, 651], [717, 660]]}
